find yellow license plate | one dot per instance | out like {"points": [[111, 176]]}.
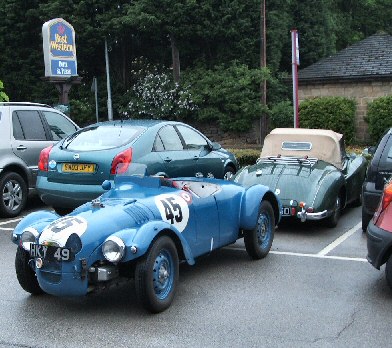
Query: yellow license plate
{"points": [[78, 168]]}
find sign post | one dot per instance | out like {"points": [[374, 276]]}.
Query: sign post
{"points": [[60, 57], [295, 63]]}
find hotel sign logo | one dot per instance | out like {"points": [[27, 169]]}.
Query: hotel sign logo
{"points": [[59, 48]]}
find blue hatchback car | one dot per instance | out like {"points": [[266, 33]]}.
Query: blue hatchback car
{"points": [[141, 228], [72, 171]]}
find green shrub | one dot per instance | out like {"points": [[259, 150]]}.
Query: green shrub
{"points": [[282, 115], [3, 96], [230, 95], [336, 113], [379, 117], [246, 156]]}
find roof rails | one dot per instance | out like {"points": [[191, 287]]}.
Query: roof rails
{"points": [[24, 104], [310, 161]]}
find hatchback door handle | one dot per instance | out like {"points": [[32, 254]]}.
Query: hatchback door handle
{"points": [[21, 147], [195, 158], [167, 159]]}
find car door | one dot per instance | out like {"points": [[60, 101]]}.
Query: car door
{"points": [[205, 160], [29, 138], [176, 159]]}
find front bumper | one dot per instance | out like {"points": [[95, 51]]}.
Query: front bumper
{"points": [[66, 195], [379, 241]]}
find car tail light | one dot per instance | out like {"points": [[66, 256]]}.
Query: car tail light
{"points": [[43, 162], [387, 196], [121, 162]]}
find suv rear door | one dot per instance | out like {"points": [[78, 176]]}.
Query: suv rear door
{"points": [[32, 132]]}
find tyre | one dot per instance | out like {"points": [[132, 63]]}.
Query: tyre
{"points": [[25, 274], [365, 219], [156, 275], [13, 191], [258, 241], [332, 220], [228, 172], [388, 271], [62, 211]]}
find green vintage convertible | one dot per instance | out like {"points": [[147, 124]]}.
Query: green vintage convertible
{"points": [[310, 172]]}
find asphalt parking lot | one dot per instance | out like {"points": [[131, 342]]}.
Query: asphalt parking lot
{"points": [[315, 289]]}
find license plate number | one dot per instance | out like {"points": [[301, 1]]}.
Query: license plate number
{"points": [[50, 253], [78, 168], [286, 211]]}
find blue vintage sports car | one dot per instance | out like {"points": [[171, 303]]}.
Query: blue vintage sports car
{"points": [[141, 228]]}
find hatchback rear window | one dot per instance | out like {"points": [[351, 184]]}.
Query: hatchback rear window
{"points": [[101, 138]]}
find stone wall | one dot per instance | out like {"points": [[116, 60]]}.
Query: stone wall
{"points": [[362, 92]]}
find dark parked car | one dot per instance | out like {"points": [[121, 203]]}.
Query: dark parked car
{"points": [[378, 172], [379, 234], [310, 172], [25, 129], [72, 171]]}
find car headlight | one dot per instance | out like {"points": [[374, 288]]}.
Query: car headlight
{"points": [[28, 237], [113, 249]]}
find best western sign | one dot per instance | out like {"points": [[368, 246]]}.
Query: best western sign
{"points": [[59, 48]]}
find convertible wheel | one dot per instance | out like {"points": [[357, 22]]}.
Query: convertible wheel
{"points": [[332, 220], [156, 275], [258, 241], [13, 191], [26, 276], [388, 271], [228, 173]]}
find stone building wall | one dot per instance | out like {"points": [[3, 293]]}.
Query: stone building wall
{"points": [[362, 92]]}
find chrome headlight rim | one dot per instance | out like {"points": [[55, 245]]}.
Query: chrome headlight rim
{"points": [[29, 236], [113, 249]]}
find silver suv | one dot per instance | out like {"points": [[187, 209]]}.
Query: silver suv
{"points": [[25, 129]]}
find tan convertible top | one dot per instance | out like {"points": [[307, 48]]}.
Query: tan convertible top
{"points": [[323, 144]]}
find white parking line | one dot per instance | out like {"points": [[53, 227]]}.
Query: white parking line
{"points": [[317, 256], [339, 240], [6, 229], [9, 221]]}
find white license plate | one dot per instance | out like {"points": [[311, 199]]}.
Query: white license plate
{"points": [[50, 253]]}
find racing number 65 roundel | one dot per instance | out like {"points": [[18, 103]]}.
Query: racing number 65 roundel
{"points": [[174, 210]]}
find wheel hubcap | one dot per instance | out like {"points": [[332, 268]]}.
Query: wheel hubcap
{"points": [[263, 227], [163, 275], [12, 195]]}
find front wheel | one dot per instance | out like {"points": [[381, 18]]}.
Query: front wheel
{"points": [[228, 173], [156, 275], [13, 191], [26, 276], [258, 241]]}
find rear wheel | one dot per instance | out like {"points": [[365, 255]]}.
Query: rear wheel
{"points": [[365, 219], [332, 220], [26, 276], [258, 241], [388, 271], [13, 191], [156, 275]]}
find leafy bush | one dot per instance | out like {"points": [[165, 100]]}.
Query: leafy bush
{"points": [[3, 96], [282, 115], [246, 156], [230, 95], [379, 117], [336, 113]]}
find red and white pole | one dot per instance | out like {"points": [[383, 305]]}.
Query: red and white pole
{"points": [[295, 63]]}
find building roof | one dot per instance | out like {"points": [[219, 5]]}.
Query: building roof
{"points": [[370, 58]]}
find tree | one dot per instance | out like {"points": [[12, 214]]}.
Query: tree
{"points": [[3, 95]]}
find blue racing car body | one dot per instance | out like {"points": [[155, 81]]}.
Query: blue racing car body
{"points": [[141, 228]]}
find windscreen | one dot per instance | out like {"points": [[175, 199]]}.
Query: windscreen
{"points": [[102, 137]]}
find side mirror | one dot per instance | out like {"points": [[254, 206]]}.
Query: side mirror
{"points": [[216, 146]]}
